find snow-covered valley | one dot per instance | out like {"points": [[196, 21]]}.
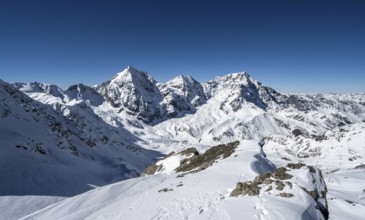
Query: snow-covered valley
{"points": [[241, 151]]}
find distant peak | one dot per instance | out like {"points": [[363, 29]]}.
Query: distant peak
{"points": [[131, 75], [239, 74], [127, 72], [131, 68], [182, 79], [78, 86]]}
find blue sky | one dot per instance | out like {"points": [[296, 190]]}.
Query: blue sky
{"points": [[292, 46]]}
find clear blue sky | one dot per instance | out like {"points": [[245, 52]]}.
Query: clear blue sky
{"points": [[290, 45]]}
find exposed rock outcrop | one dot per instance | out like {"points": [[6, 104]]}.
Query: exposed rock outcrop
{"points": [[189, 160], [275, 180]]}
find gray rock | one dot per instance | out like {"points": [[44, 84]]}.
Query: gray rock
{"points": [[311, 169], [249, 188], [189, 151], [361, 166], [165, 190], [286, 195], [152, 169], [252, 188], [296, 132], [201, 162], [279, 185], [281, 174], [295, 165]]}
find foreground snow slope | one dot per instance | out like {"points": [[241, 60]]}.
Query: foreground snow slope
{"points": [[340, 153], [201, 195]]}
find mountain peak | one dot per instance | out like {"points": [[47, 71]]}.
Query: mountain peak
{"points": [[130, 68], [81, 92], [239, 76], [131, 74], [37, 87], [135, 92], [232, 80], [182, 80]]}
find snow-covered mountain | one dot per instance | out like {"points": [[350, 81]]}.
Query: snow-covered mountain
{"points": [[134, 92], [138, 94], [59, 143], [60, 150], [240, 107], [181, 95]]}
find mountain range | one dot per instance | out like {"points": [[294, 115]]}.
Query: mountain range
{"points": [[229, 148]]}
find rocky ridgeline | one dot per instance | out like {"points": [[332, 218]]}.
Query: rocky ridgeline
{"points": [[137, 94], [281, 182], [190, 161]]}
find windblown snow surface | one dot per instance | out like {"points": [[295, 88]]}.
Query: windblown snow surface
{"points": [[203, 195], [77, 153]]}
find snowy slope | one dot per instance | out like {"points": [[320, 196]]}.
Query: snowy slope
{"points": [[340, 153], [46, 154], [240, 107], [73, 129], [202, 195]]}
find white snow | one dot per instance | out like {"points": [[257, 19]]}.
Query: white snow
{"points": [[204, 195]]}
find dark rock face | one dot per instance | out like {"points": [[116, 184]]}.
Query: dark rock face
{"points": [[296, 132], [268, 94], [300, 103]]}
